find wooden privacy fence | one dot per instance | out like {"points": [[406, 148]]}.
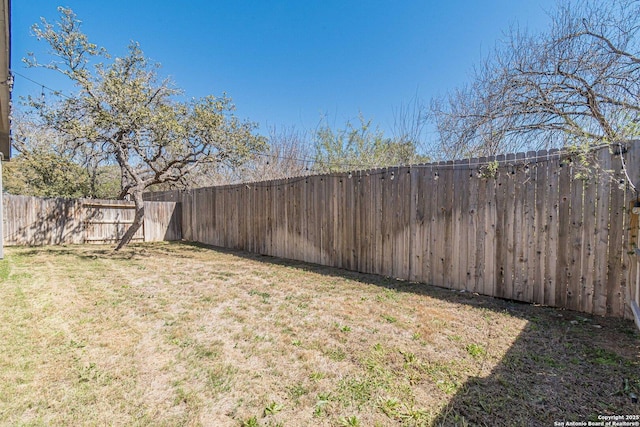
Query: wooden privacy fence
{"points": [[535, 227], [54, 221]]}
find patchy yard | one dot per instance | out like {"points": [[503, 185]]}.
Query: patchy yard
{"points": [[177, 334]]}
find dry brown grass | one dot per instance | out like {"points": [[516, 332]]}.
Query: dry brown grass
{"points": [[177, 334]]}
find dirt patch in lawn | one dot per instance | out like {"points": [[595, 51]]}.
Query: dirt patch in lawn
{"points": [[178, 334]]}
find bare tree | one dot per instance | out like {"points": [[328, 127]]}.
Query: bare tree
{"points": [[577, 84], [410, 125], [287, 154]]}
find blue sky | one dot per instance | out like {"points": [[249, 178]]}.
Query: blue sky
{"points": [[289, 63]]}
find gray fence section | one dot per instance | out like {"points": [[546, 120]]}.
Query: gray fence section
{"points": [[535, 227], [54, 221]]}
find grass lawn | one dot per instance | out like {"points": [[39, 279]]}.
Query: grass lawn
{"points": [[178, 334]]}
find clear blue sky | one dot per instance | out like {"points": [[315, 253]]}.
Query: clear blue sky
{"points": [[287, 63]]}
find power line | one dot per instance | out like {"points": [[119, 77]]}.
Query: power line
{"points": [[255, 152], [360, 167], [471, 162], [305, 160], [258, 153], [393, 171], [42, 85]]}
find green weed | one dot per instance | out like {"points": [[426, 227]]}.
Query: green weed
{"points": [[343, 328], [273, 408], [336, 354], [387, 295], [390, 407], [264, 295], [358, 389], [250, 422], [409, 357], [414, 416], [351, 421], [475, 350], [604, 357], [321, 402], [389, 318], [317, 376], [297, 391]]}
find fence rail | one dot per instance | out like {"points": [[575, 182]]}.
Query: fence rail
{"points": [[54, 221], [535, 227]]}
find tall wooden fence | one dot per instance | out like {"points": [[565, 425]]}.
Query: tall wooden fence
{"points": [[535, 227], [52, 221]]}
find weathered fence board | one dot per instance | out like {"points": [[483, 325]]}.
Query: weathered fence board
{"points": [[588, 245], [55, 221], [162, 221], [501, 231], [490, 274], [551, 197], [539, 282], [532, 227], [530, 234], [616, 241]]}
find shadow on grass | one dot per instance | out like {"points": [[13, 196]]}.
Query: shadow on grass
{"points": [[564, 366], [72, 251]]}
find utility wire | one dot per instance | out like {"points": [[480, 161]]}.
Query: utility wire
{"points": [[369, 170], [255, 152], [472, 162], [43, 86], [352, 166]]}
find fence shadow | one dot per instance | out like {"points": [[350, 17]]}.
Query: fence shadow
{"points": [[174, 228], [560, 369], [552, 218], [564, 365], [35, 222], [96, 252]]}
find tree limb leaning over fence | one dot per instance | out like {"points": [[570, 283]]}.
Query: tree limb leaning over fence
{"points": [[126, 112]]}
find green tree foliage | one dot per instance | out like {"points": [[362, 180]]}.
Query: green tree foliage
{"points": [[360, 147], [48, 174], [287, 153], [45, 174], [124, 114], [45, 167]]}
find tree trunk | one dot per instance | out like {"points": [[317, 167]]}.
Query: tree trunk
{"points": [[123, 159], [137, 220]]}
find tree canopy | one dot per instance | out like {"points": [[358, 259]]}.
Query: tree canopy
{"points": [[123, 113], [44, 166], [361, 146]]}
